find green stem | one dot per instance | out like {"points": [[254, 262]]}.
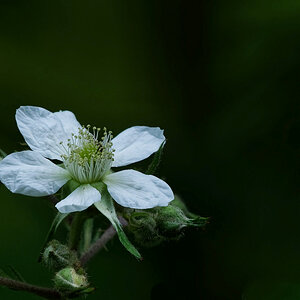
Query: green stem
{"points": [[109, 233], [75, 230], [87, 234]]}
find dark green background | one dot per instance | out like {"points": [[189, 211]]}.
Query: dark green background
{"points": [[222, 79]]}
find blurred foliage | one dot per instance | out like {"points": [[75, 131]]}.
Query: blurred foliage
{"points": [[222, 79]]}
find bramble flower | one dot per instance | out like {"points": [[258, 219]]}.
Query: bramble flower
{"points": [[85, 158]]}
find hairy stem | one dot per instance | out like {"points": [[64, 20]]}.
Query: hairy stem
{"points": [[108, 234], [34, 289]]}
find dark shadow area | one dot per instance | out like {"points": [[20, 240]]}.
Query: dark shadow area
{"points": [[222, 79]]}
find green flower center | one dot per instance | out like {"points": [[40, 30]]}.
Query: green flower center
{"points": [[87, 158]]}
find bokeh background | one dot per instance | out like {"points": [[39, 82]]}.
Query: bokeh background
{"points": [[222, 79]]}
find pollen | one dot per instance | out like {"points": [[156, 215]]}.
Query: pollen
{"points": [[87, 156]]}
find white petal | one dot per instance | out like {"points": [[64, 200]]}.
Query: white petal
{"points": [[83, 197], [44, 130], [68, 121], [29, 173], [136, 190], [135, 144]]}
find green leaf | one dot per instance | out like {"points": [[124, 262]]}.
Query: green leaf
{"points": [[56, 222], [156, 160], [106, 207]]}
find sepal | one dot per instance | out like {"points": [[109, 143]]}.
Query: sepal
{"points": [[2, 154], [55, 224], [171, 220], [57, 256], [152, 168], [69, 280], [106, 207]]}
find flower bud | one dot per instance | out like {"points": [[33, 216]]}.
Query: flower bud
{"points": [[172, 219], [143, 226], [57, 256], [152, 226], [194, 220], [68, 280]]}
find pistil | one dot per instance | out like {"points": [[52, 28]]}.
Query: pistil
{"points": [[87, 158]]}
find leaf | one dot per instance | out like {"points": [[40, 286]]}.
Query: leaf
{"points": [[156, 160], [56, 222], [106, 207]]}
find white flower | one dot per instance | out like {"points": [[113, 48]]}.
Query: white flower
{"points": [[85, 158]]}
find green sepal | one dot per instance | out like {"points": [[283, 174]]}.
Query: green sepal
{"points": [[56, 222], [72, 185], [196, 220], [57, 256], [69, 280], [156, 160], [153, 226], [106, 207], [2, 154]]}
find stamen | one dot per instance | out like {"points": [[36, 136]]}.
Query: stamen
{"points": [[86, 158]]}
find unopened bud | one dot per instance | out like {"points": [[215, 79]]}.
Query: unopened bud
{"points": [[194, 220], [58, 256], [171, 220], [68, 280], [152, 226], [178, 202], [142, 224]]}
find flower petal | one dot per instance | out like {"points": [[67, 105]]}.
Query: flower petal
{"points": [[68, 121], [135, 144], [136, 190], [83, 197], [44, 130], [29, 173]]}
